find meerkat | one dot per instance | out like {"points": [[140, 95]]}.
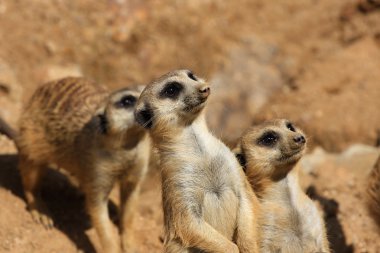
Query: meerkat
{"points": [[290, 221], [76, 125], [207, 201], [373, 192]]}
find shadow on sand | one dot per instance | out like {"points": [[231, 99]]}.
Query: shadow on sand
{"points": [[335, 232], [64, 201]]}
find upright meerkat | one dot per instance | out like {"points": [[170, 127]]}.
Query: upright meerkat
{"points": [[290, 221], [78, 126], [208, 203]]}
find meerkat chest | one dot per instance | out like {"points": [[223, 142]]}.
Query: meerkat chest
{"points": [[220, 205], [206, 177], [286, 227], [212, 181]]}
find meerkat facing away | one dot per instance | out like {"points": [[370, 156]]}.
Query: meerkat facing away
{"points": [[373, 192], [78, 126], [208, 203], [290, 221]]}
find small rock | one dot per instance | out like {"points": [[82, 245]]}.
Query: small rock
{"points": [[359, 158], [50, 47], [310, 163]]}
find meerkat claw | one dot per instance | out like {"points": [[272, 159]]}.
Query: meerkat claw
{"points": [[43, 219]]}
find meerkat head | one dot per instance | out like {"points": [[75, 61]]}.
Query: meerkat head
{"points": [[174, 99], [271, 149], [117, 115]]}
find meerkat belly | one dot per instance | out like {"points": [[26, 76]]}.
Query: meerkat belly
{"points": [[220, 210], [221, 203]]}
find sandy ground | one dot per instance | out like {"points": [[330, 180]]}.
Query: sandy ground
{"points": [[314, 62]]}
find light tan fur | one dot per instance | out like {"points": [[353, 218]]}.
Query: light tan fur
{"points": [[373, 192], [290, 221], [74, 124], [208, 203]]}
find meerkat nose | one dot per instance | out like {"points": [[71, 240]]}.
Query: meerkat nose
{"points": [[299, 139], [204, 91]]}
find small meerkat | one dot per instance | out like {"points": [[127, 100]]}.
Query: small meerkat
{"points": [[207, 201], [290, 221], [373, 192], [74, 124]]}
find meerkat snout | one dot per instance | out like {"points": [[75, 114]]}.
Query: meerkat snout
{"points": [[204, 91], [300, 139]]}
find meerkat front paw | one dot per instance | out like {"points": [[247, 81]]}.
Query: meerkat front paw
{"points": [[41, 214]]}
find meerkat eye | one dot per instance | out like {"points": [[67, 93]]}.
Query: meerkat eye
{"points": [[268, 139], [290, 127], [126, 101], [191, 76], [171, 90]]}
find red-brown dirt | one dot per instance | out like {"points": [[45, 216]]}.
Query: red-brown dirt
{"points": [[314, 62]]}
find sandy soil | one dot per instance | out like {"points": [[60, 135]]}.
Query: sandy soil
{"points": [[324, 57]]}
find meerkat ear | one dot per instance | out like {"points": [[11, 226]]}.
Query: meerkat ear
{"points": [[100, 119], [242, 161], [239, 154], [144, 116], [103, 123]]}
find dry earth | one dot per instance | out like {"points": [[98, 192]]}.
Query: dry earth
{"points": [[314, 62]]}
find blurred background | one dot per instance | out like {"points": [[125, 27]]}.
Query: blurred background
{"points": [[314, 62]]}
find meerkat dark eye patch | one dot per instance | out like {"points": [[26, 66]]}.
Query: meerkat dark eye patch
{"points": [[290, 127], [145, 117], [268, 139], [126, 102], [191, 76], [171, 90]]}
